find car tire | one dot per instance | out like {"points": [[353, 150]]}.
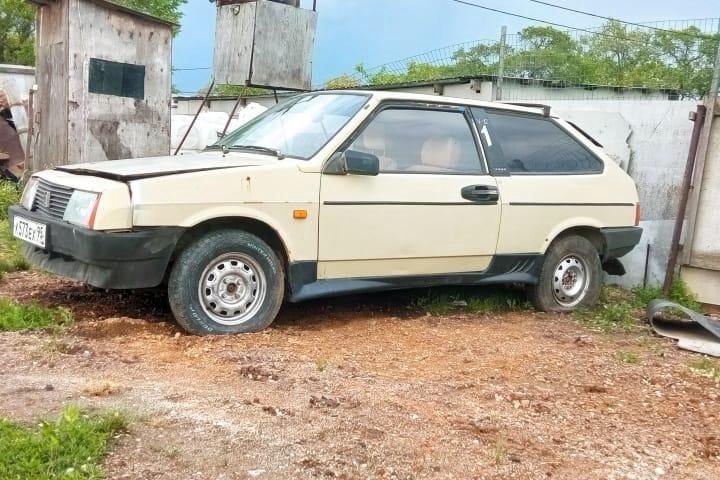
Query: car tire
{"points": [[226, 282], [570, 276]]}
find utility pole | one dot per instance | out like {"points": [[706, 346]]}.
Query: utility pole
{"points": [[501, 63]]}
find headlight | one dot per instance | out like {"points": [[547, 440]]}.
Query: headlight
{"points": [[81, 208], [28, 196]]}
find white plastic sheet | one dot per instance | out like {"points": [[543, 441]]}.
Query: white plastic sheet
{"points": [[209, 126]]}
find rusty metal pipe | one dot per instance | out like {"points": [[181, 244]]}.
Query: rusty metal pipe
{"points": [[699, 120], [192, 124], [232, 114]]}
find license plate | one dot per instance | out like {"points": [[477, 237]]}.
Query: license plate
{"points": [[31, 232]]}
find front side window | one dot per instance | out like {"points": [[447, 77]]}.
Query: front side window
{"points": [[298, 128], [528, 145], [408, 140]]}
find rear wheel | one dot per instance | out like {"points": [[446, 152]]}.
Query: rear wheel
{"points": [[226, 282], [570, 277]]}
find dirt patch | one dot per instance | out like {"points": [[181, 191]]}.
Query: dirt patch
{"points": [[364, 387]]}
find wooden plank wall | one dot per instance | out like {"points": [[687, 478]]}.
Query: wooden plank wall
{"points": [[51, 77], [234, 30], [107, 127], [265, 43]]}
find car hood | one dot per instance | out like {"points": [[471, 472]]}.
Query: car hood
{"points": [[138, 168]]}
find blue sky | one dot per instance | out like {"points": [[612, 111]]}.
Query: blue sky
{"points": [[379, 31]]}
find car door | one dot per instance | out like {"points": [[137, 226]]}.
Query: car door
{"points": [[432, 209], [550, 180]]}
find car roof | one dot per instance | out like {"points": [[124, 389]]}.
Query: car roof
{"points": [[419, 97]]}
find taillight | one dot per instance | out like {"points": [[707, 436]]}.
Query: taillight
{"points": [[637, 214]]}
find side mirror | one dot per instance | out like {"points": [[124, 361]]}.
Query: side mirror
{"points": [[360, 163]]}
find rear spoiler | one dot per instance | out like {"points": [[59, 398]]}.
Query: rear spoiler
{"points": [[545, 108]]}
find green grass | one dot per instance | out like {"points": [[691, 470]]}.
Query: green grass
{"points": [[679, 293], [625, 356], [15, 317], [619, 309], [442, 301], [9, 195], [69, 448], [706, 367], [11, 260]]}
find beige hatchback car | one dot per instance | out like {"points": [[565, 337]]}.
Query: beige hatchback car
{"points": [[342, 192]]}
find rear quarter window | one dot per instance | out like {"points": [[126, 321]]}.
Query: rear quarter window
{"points": [[535, 145]]}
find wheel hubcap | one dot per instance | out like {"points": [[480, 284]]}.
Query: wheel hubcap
{"points": [[232, 289], [570, 281]]}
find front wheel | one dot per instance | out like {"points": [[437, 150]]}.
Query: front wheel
{"points": [[227, 281], [570, 277]]}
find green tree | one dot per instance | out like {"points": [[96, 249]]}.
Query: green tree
{"points": [[343, 81], [548, 54], [166, 9], [17, 32], [688, 57], [17, 25]]}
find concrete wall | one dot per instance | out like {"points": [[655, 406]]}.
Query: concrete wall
{"points": [[23, 77]]}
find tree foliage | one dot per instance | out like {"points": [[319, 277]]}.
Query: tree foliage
{"points": [[17, 32], [17, 25], [166, 9], [681, 60]]}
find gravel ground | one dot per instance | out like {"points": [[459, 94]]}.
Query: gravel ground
{"points": [[365, 387]]}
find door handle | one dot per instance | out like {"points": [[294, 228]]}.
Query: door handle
{"points": [[481, 194]]}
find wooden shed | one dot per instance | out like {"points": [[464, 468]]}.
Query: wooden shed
{"points": [[264, 43], [104, 83]]}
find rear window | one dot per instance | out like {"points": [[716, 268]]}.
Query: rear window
{"points": [[534, 145]]}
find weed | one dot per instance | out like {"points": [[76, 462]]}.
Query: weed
{"points": [[608, 317], [483, 301], [11, 259], [679, 293], [618, 309], [9, 195], [15, 317], [706, 367], [322, 364], [628, 357], [172, 452], [500, 452], [72, 447]]}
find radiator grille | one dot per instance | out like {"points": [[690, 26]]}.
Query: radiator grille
{"points": [[51, 200]]}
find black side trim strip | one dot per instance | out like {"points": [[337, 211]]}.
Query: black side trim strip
{"points": [[400, 203], [304, 285], [540, 204]]}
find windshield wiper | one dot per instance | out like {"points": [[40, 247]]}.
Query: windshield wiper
{"points": [[258, 148]]}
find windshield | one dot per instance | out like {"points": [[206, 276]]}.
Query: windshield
{"points": [[297, 128]]}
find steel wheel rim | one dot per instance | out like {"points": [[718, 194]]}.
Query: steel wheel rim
{"points": [[570, 281], [232, 289]]}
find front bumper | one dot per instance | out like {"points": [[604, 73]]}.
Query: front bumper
{"points": [[120, 260]]}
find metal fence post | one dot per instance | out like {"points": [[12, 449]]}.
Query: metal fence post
{"points": [[501, 63]]}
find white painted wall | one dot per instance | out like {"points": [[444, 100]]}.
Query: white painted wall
{"points": [[22, 77]]}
